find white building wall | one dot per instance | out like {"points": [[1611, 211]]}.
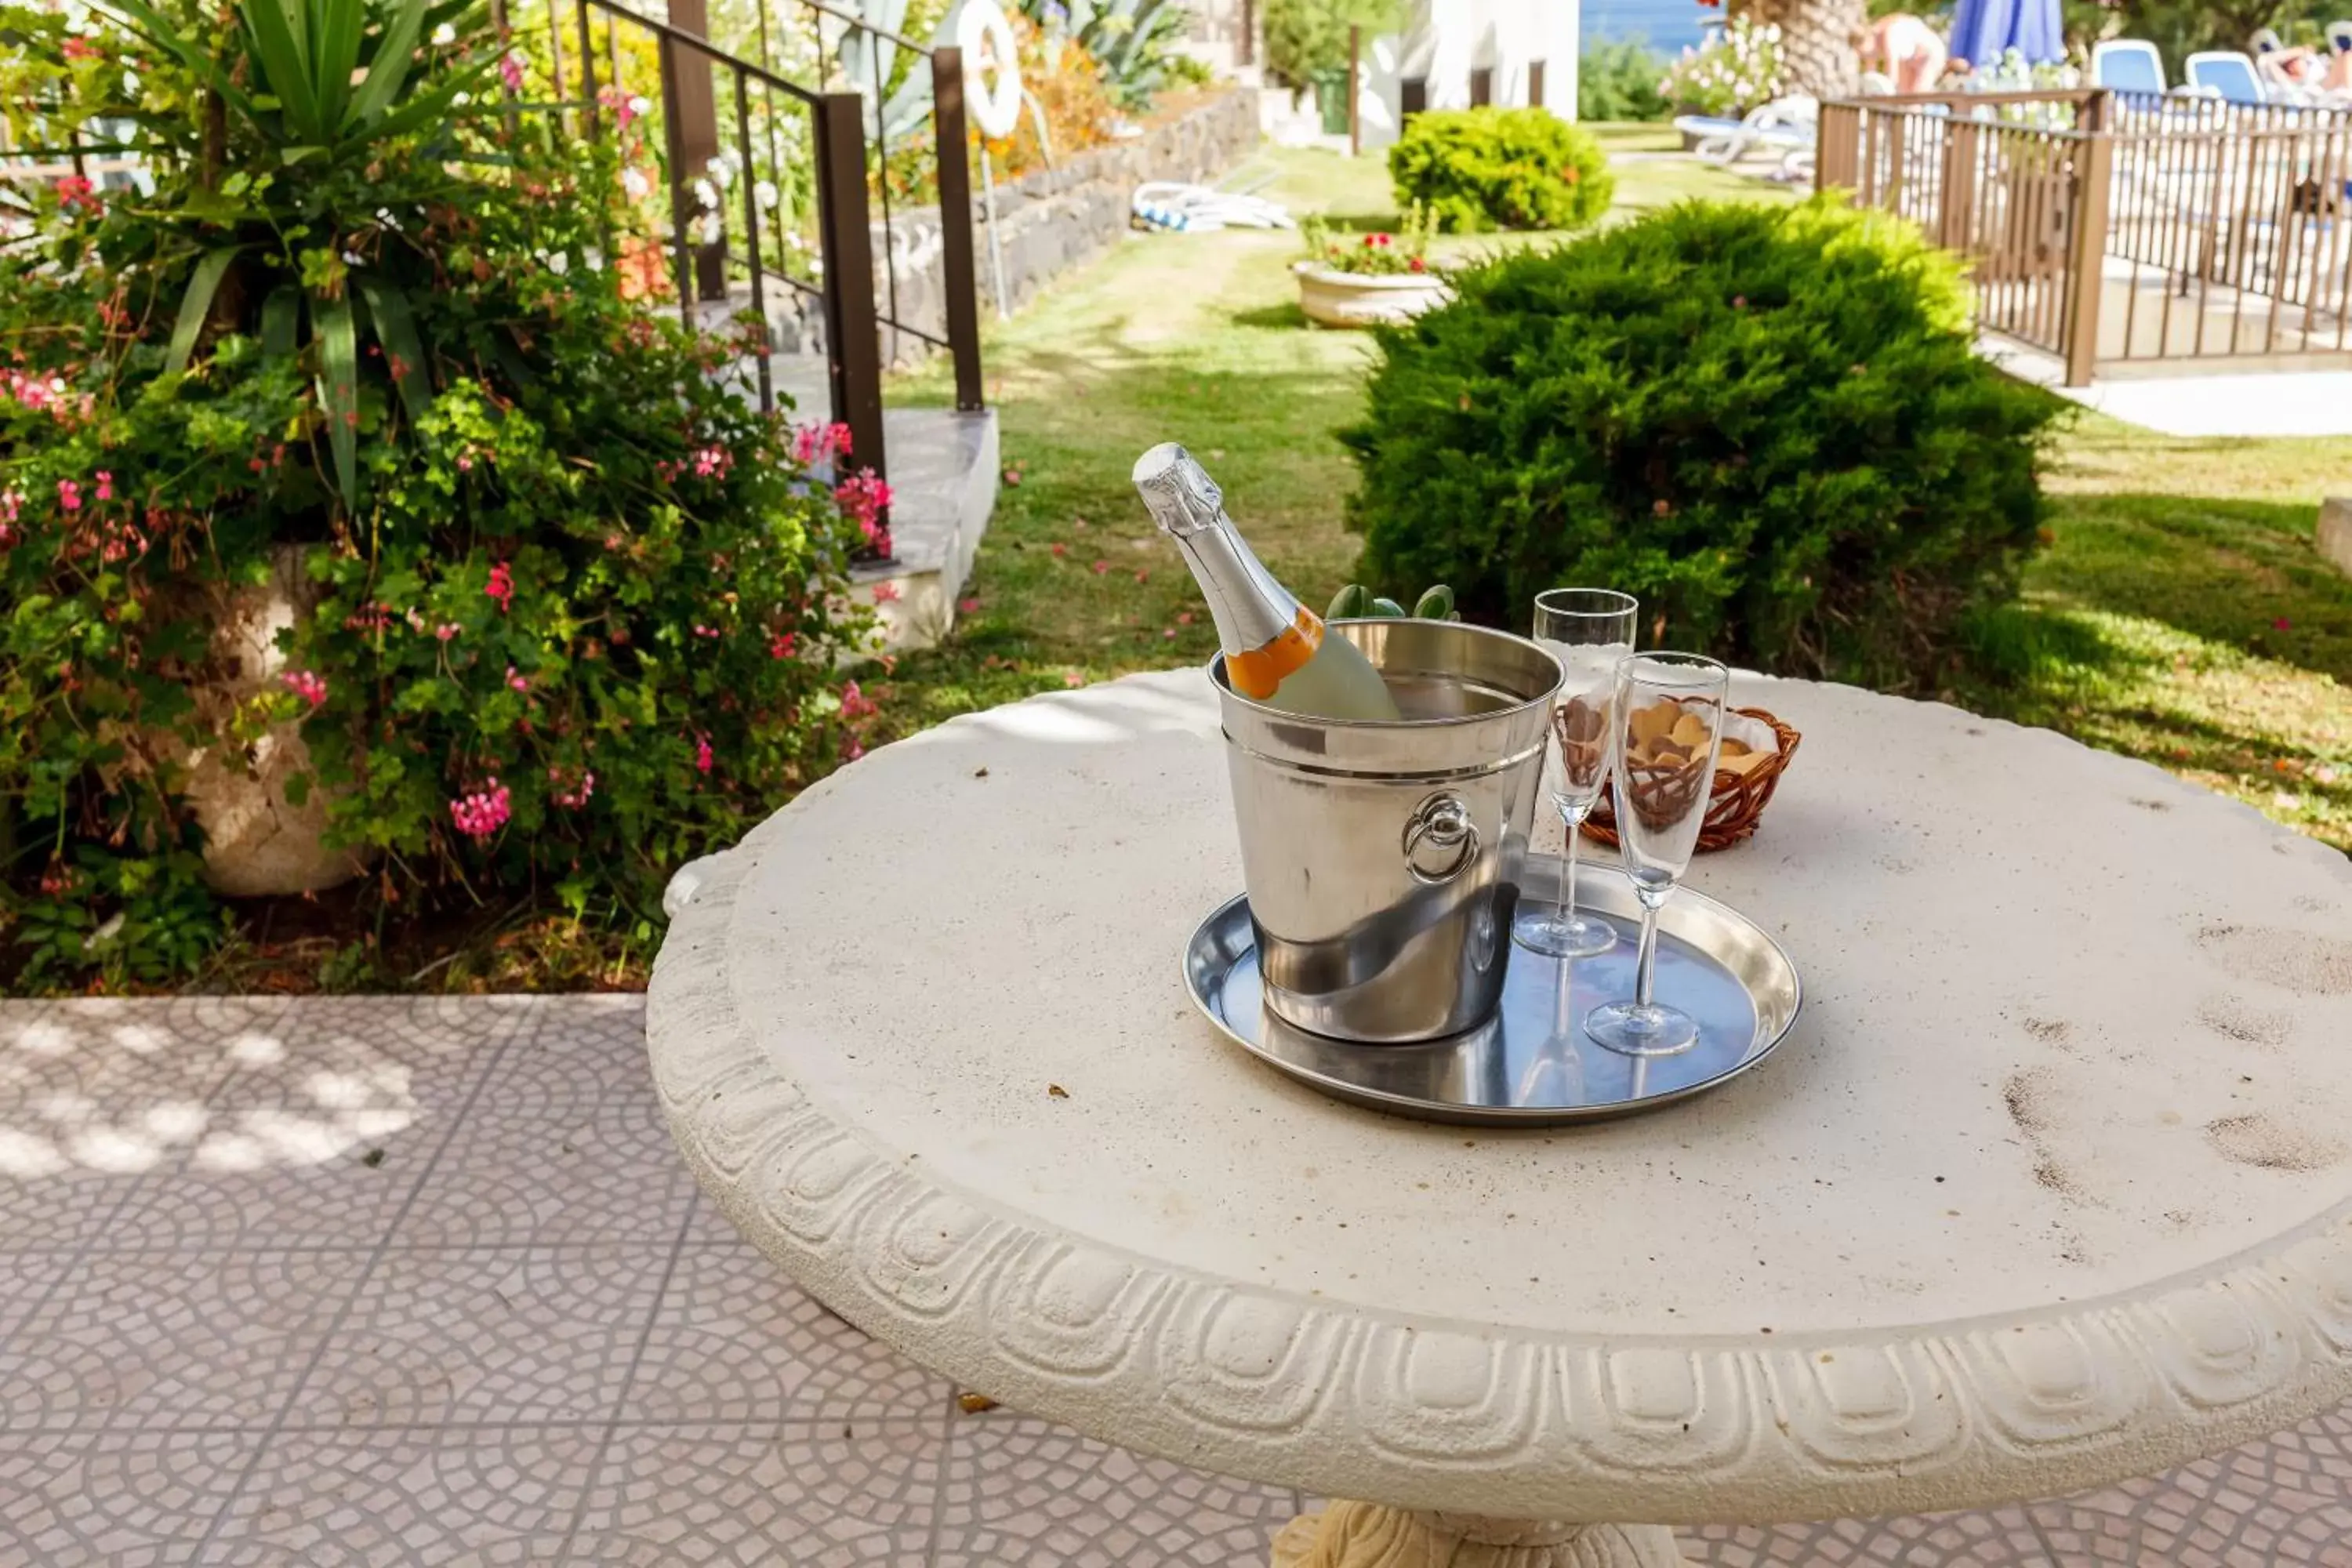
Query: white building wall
{"points": [[1445, 40]]}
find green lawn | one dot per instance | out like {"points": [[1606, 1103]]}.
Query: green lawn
{"points": [[2179, 613]]}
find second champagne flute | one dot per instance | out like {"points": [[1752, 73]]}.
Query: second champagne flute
{"points": [[1590, 631], [1665, 739]]}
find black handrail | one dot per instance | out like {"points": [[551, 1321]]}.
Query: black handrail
{"points": [[853, 318]]}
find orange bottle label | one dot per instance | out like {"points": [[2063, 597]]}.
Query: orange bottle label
{"points": [[1257, 673]]}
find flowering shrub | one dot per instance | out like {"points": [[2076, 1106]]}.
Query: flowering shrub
{"points": [[573, 619], [1378, 255], [1734, 71], [2014, 73], [1476, 169]]}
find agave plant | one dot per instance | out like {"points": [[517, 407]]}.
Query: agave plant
{"points": [[310, 94], [1133, 39], [868, 60]]}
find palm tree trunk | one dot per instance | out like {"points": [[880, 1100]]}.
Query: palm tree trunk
{"points": [[1817, 53]]}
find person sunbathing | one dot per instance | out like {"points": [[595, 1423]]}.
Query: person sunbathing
{"points": [[1905, 47], [2337, 75]]}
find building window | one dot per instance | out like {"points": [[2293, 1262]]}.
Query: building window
{"points": [[1482, 86], [1535, 84], [1412, 97]]}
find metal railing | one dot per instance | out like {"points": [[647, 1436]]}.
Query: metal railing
{"points": [[2242, 214], [770, 186], [2104, 228]]}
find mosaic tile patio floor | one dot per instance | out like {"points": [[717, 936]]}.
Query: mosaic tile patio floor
{"points": [[324, 1283]]}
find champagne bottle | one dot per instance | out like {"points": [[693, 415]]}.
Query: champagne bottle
{"points": [[1276, 649]]}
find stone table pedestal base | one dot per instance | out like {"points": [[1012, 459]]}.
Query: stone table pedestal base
{"points": [[1366, 1535]]}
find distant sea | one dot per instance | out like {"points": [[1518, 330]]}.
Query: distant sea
{"points": [[1665, 25]]}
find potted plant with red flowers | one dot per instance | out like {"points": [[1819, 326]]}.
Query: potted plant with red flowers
{"points": [[1357, 279]]}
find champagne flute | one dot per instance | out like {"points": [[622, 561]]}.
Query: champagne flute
{"points": [[1668, 733], [1590, 631]]}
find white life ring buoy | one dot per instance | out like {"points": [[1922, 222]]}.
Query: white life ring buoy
{"points": [[984, 36]]}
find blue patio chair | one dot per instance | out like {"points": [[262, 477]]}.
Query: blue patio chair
{"points": [[2228, 75], [2127, 64]]}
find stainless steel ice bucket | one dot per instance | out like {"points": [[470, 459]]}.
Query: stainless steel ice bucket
{"points": [[1383, 860]]}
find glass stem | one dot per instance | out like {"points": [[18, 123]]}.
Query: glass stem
{"points": [[1567, 903], [1646, 961]]}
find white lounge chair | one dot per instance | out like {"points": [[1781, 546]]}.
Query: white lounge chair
{"points": [[1787, 126], [1181, 209]]}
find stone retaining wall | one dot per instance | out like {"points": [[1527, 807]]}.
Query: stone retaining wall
{"points": [[1051, 220]]}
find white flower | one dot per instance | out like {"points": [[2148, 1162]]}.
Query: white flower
{"points": [[705, 193], [444, 35], [712, 229], [383, 215], [720, 173], [641, 106], [763, 193], [593, 257], [352, 258], [558, 262], [461, 99], [634, 183]]}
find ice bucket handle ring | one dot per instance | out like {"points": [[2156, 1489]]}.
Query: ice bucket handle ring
{"points": [[1442, 822]]}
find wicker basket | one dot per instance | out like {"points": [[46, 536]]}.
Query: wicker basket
{"points": [[1735, 803]]}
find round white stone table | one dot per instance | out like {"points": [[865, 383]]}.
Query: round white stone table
{"points": [[2052, 1184]]}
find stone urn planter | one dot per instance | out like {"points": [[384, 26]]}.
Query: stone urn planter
{"points": [[256, 842], [1361, 298]]}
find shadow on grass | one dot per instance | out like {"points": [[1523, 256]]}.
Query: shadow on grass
{"points": [[2240, 574], [1286, 314]]}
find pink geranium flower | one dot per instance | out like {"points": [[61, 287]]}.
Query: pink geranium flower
{"points": [[482, 812], [303, 683], [501, 585]]}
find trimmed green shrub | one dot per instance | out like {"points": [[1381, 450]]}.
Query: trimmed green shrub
{"points": [[1620, 81], [1480, 169], [1766, 422]]}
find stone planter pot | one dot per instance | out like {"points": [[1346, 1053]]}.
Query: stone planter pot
{"points": [[256, 842], [1360, 299]]}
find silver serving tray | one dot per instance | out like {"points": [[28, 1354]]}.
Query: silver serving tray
{"points": [[1532, 1065]]}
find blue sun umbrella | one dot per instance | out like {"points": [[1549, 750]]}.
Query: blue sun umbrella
{"points": [[1984, 30]]}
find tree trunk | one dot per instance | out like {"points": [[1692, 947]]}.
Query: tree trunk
{"points": [[1817, 54]]}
